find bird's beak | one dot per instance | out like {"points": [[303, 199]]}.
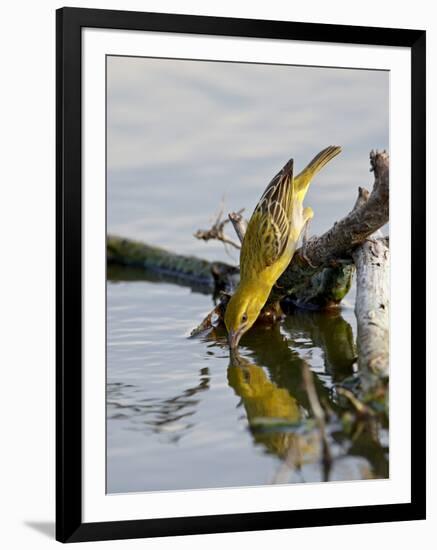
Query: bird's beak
{"points": [[234, 338]]}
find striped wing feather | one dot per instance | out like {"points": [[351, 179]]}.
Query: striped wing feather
{"points": [[269, 227]]}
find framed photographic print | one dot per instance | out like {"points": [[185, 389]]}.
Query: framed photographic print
{"points": [[240, 274]]}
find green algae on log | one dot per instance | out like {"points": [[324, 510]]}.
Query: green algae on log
{"points": [[186, 269], [310, 287]]}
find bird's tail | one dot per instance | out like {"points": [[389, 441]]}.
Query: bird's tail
{"points": [[303, 179]]}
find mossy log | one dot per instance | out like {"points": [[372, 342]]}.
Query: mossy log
{"points": [[322, 289], [188, 270]]}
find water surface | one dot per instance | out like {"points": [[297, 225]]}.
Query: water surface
{"points": [[181, 415]]}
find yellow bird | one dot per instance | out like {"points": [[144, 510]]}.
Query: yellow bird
{"points": [[270, 241]]}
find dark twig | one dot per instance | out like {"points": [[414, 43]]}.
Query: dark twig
{"points": [[320, 420], [359, 406], [207, 323], [216, 231]]}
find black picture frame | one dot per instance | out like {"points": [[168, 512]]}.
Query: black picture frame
{"points": [[69, 525]]}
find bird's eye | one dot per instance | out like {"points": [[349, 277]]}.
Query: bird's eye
{"points": [[244, 318]]}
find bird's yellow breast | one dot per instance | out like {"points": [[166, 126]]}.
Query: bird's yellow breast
{"points": [[272, 273]]}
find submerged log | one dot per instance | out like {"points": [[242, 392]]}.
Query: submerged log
{"points": [[372, 260]]}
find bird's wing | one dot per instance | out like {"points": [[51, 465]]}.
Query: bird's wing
{"points": [[268, 230]]}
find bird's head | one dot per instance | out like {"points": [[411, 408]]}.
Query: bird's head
{"points": [[242, 311]]}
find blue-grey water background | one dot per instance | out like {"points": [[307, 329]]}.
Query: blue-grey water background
{"points": [[183, 136]]}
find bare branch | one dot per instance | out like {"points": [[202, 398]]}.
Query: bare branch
{"points": [[369, 214], [372, 260], [316, 261], [239, 223], [363, 197], [216, 231]]}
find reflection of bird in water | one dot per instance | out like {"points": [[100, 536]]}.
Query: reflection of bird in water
{"points": [[271, 387], [264, 400], [270, 241]]}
